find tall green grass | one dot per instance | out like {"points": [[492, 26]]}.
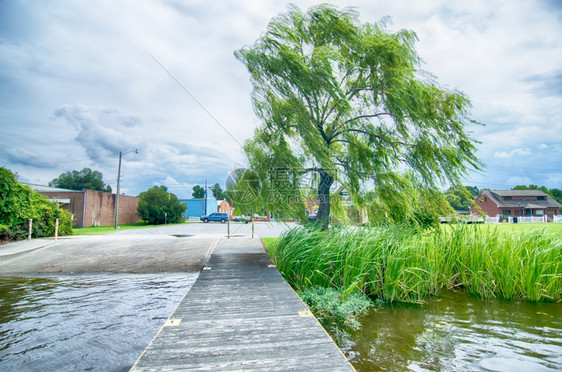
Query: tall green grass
{"points": [[406, 265]]}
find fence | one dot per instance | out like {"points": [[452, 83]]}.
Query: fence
{"points": [[488, 219], [530, 219]]}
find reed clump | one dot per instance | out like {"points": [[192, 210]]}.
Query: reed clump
{"points": [[402, 264]]}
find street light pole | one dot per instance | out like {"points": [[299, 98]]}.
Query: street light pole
{"points": [[118, 182], [206, 197]]}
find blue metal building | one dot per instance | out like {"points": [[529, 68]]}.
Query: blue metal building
{"points": [[196, 207]]}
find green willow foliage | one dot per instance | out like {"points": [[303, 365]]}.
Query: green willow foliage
{"points": [[18, 204], [347, 102], [401, 264]]}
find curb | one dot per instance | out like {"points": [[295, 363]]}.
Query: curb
{"points": [[9, 256]]}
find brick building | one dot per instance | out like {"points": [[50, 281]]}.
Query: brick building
{"points": [[92, 208], [225, 207], [515, 203]]}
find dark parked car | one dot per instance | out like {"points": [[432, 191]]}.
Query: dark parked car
{"points": [[222, 217], [314, 218]]}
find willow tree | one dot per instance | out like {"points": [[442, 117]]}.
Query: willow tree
{"points": [[347, 101]]}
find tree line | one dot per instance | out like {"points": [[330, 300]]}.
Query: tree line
{"points": [[216, 190]]}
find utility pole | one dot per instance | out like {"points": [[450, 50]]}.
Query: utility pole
{"points": [[118, 182]]}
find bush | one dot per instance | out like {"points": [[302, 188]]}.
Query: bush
{"points": [[3, 233], [329, 304], [18, 204], [156, 206]]}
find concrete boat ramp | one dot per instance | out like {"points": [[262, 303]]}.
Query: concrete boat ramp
{"points": [[241, 315]]}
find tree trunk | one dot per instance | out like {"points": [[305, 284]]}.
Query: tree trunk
{"points": [[323, 215]]}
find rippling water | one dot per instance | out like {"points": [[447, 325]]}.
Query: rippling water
{"points": [[84, 323], [456, 332]]}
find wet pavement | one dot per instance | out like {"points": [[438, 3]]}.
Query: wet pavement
{"points": [[173, 248]]}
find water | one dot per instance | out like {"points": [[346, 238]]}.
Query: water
{"points": [[104, 322], [84, 323], [456, 332]]}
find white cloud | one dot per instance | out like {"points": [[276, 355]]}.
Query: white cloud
{"points": [[514, 152], [89, 63]]}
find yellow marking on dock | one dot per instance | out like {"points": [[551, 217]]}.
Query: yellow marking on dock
{"points": [[305, 313], [172, 322]]}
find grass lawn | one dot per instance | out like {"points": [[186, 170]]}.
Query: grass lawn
{"points": [[268, 241], [102, 230], [555, 228]]}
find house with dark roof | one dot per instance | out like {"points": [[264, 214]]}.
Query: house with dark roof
{"points": [[516, 203]]}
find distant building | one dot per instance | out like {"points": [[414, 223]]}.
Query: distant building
{"points": [[515, 203], [92, 208], [225, 207], [196, 207]]}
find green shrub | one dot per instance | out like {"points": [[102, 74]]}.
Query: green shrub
{"points": [[18, 204], [3, 233], [329, 304], [157, 205]]}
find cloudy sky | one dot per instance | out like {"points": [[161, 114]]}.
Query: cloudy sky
{"points": [[81, 81]]}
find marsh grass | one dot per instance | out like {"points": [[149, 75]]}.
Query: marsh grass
{"points": [[402, 264]]}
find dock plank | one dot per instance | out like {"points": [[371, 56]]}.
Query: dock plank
{"points": [[241, 315]]}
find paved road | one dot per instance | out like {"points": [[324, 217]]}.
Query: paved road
{"points": [[261, 229], [176, 248]]}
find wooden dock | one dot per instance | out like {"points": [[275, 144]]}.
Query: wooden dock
{"points": [[241, 315]]}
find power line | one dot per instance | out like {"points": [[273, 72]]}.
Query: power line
{"points": [[542, 171], [195, 99]]}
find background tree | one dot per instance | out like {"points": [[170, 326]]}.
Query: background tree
{"points": [[348, 103], [461, 197], [531, 187], [198, 192], [557, 194], [157, 205], [218, 193], [86, 179]]}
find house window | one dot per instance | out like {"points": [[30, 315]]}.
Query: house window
{"points": [[507, 198], [506, 212], [539, 212], [551, 212], [486, 199], [541, 197]]}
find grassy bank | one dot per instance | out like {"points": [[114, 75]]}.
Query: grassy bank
{"points": [[102, 230], [555, 228], [402, 264]]}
